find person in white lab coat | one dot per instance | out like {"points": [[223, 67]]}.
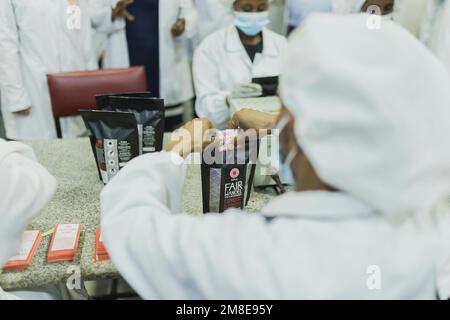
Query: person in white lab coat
{"points": [[110, 41], [298, 10], [213, 16], [368, 167], [37, 38], [435, 30], [25, 189], [159, 38], [226, 62]]}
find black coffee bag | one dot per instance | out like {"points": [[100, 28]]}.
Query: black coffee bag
{"points": [[227, 180], [114, 139], [269, 85], [150, 117], [102, 100]]}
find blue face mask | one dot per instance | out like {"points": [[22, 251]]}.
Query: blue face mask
{"points": [[251, 23], [285, 168]]}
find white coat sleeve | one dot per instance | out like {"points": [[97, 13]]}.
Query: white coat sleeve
{"points": [[14, 96], [165, 255], [100, 14], [25, 189], [7, 296], [190, 14], [211, 100], [110, 35]]}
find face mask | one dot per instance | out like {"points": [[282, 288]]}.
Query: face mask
{"points": [[285, 163], [285, 168], [251, 23]]}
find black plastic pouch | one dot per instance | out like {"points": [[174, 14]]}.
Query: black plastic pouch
{"points": [[114, 140], [269, 85], [227, 182], [102, 100], [150, 117]]}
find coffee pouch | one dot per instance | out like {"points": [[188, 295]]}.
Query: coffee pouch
{"points": [[150, 117], [114, 139]]}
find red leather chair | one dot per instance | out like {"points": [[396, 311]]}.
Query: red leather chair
{"points": [[72, 91]]}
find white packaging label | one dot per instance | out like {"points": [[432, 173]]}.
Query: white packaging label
{"points": [[111, 158], [140, 133], [65, 237], [28, 240]]}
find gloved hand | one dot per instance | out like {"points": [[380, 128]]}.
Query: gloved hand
{"points": [[246, 90]]}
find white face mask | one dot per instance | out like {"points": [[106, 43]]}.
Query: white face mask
{"points": [[251, 23]]}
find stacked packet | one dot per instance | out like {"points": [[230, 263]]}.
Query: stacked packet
{"points": [[30, 243], [100, 253], [64, 243]]}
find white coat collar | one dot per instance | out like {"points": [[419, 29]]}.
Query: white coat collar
{"points": [[318, 204], [233, 42]]}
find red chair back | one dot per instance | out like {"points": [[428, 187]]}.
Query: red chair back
{"points": [[72, 91]]}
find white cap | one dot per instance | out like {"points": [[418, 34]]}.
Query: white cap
{"points": [[372, 110]]}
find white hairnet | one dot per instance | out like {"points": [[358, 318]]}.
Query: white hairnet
{"points": [[372, 110], [347, 6]]}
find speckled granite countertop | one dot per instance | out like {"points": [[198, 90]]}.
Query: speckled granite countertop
{"points": [[77, 201]]}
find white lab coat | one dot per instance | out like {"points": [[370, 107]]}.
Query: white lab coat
{"points": [[435, 30], [213, 16], [321, 245], [221, 62], [35, 39], [175, 72], [296, 11], [111, 40], [25, 189]]}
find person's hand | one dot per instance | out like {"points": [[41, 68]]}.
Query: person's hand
{"points": [[24, 113], [251, 119], [178, 27], [120, 10], [246, 90], [191, 137]]}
